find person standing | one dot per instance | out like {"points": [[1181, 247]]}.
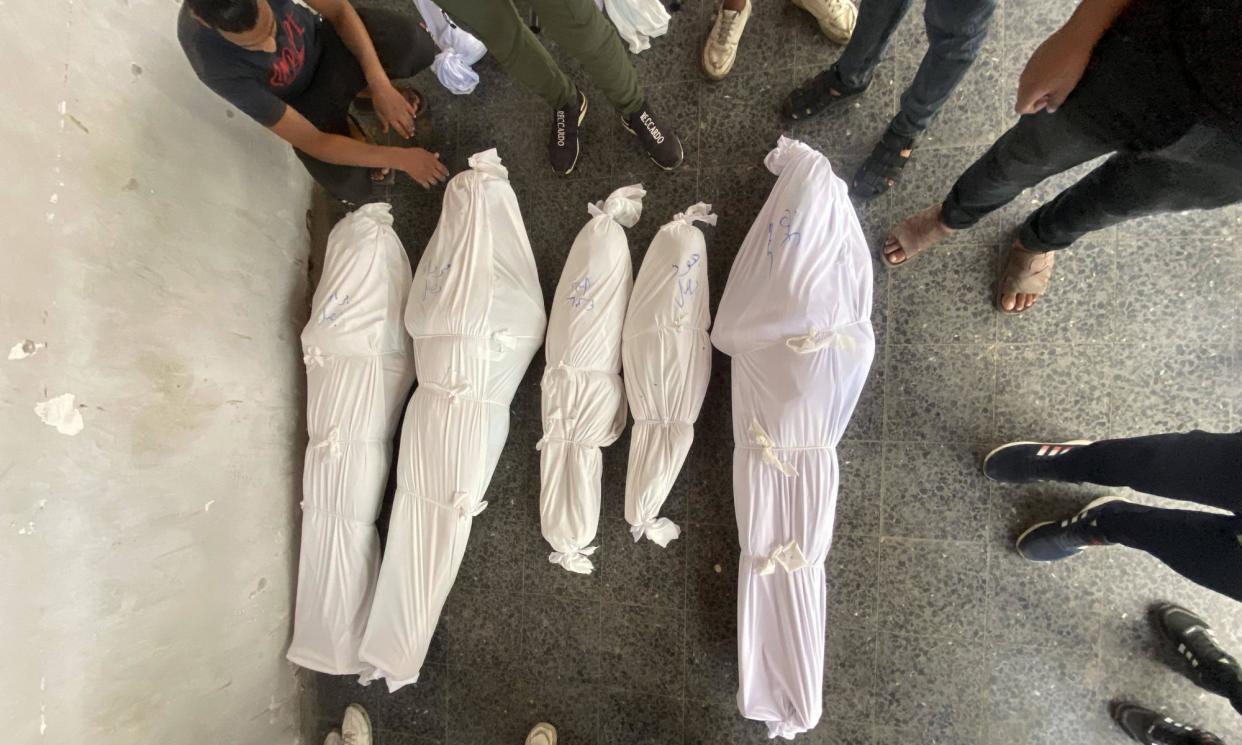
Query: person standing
{"points": [[1154, 82], [279, 63], [1203, 661], [1200, 467], [579, 28], [836, 20], [956, 30]]}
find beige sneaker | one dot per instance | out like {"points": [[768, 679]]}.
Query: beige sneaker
{"points": [[356, 726], [836, 17], [720, 49], [333, 738], [542, 734]]}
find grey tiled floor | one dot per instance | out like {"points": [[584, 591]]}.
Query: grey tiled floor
{"points": [[938, 632]]}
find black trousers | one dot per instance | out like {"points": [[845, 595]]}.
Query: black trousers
{"points": [[1199, 467], [404, 49], [1134, 101]]}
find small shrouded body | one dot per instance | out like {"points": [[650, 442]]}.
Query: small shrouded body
{"points": [[583, 396], [667, 359]]}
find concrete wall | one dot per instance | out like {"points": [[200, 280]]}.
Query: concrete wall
{"points": [[155, 241]]}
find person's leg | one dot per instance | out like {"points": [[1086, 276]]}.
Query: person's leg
{"points": [[1202, 467], [497, 24], [1203, 660], [1202, 170], [1133, 96], [581, 29], [877, 19], [1204, 547], [956, 30], [403, 46]]}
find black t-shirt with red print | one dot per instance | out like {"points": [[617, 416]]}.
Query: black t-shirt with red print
{"points": [[257, 83]]}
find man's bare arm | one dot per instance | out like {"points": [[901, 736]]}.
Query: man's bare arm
{"points": [[1058, 64], [390, 106], [422, 166]]}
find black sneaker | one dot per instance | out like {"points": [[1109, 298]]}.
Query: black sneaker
{"points": [[658, 140], [1053, 541], [1152, 728], [1209, 666], [1022, 462], [564, 148]]}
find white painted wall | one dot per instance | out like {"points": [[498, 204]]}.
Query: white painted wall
{"points": [[157, 244]]}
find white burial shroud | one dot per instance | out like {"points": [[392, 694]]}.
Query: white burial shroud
{"points": [[667, 359], [476, 315], [459, 50], [583, 396], [795, 318], [359, 368]]}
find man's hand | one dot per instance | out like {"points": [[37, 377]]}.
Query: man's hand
{"points": [[393, 110], [1052, 72], [422, 166]]}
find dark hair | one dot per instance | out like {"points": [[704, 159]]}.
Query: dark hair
{"points": [[234, 16]]}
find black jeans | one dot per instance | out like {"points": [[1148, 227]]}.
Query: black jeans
{"points": [[955, 33], [1196, 467], [1135, 101], [404, 49]]}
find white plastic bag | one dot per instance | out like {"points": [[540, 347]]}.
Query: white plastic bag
{"points": [[795, 318], [476, 314], [359, 368], [668, 362], [459, 50], [583, 396], [637, 21]]}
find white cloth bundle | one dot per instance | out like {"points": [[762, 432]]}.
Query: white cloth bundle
{"points": [[459, 50], [359, 368], [476, 315], [583, 396], [795, 318], [668, 361], [637, 21]]}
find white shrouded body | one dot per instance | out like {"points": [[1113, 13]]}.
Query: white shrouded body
{"points": [[476, 315], [795, 318], [583, 396], [459, 50], [667, 358], [359, 368]]}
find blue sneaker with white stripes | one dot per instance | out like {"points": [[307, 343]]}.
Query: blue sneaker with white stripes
{"points": [[1053, 541]]}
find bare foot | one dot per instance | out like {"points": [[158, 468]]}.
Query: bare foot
{"points": [[915, 234], [1025, 278]]}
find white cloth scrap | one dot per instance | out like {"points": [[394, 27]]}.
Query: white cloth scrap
{"points": [[459, 50], [359, 369], [476, 315], [583, 397], [795, 319], [667, 359], [637, 21]]}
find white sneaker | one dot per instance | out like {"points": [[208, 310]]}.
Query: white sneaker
{"points": [[720, 49], [542, 734], [836, 17], [333, 738], [355, 726]]}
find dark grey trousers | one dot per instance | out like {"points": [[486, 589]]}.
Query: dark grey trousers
{"points": [[955, 33], [1134, 101]]}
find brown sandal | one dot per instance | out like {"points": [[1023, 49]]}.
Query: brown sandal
{"points": [[914, 235], [1026, 273], [408, 92]]}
